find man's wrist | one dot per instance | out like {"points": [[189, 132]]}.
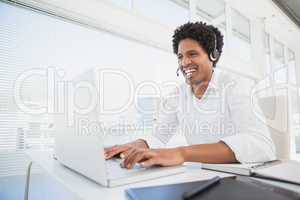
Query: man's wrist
{"points": [[144, 142], [182, 151]]}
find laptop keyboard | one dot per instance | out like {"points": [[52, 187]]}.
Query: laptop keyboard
{"points": [[113, 168]]}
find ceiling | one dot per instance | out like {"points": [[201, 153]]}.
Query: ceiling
{"points": [[291, 8]]}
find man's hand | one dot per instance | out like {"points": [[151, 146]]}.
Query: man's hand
{"points": [[124, 149], [150, 157]]}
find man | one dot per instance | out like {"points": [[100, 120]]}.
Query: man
{"points": [[212, 109]]}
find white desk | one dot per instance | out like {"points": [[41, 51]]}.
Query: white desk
{"points": [[89, 190]]}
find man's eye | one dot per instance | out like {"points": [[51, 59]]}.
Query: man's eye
{"points": [[179, 57]]}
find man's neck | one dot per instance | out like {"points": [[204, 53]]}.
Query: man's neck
{"points": [[200, 87]]}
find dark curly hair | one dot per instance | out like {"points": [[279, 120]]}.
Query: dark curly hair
{"points": [[200, 32]]}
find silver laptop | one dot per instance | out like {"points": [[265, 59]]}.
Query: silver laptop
{"points": [[82, 150], [85, 154]]}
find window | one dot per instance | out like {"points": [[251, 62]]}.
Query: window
{"points": [[268, 54], [169, 13], [281, 69], [211, 11], [295, 98], [291, 67], [295, 116], [241, 35], [280, 75], [278, 61]]}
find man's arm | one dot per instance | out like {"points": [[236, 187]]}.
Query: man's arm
{"points": [[205, 153], [208, 153]]}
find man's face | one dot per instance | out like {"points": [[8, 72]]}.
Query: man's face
{"points": [[193, 61]]}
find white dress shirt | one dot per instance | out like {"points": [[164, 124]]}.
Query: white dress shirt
{"points": [[224, 113]]}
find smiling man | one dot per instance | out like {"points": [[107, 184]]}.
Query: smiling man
{"points": [[212, 109]]}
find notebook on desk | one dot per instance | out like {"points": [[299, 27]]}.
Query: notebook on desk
{"points": [[228, 188], [286, 171]]}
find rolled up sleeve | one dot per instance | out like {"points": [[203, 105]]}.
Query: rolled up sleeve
{"points": [[252, 141]]}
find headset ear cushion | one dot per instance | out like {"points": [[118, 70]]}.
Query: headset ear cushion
{"points": [[214, 55]]}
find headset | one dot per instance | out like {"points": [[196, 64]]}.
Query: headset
{"points": [[214, 55]]}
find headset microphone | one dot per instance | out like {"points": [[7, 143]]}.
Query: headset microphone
{"points": [[177, 71]]}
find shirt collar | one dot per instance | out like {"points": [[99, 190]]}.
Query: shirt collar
{"points": [[213, 83]]}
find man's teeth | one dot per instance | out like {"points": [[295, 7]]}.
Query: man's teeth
{"points": [[189, 72]]}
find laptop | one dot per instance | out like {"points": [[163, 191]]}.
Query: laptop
{"points": [[80, 147]]}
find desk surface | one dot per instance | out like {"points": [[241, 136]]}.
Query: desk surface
{"points": [[87, 189]]}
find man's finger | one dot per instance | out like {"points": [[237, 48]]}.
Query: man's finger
{"points": [[122, 155], [112, 148], [107, 150], [139, 157], [127, 155], [116, 151], [128, 162]]}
